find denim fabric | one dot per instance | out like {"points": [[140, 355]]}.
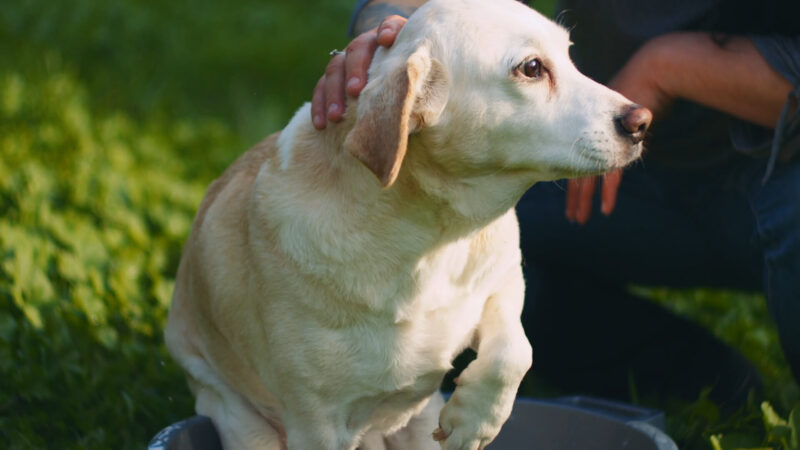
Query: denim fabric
{"points": [[783, 143], [714, 227], [776, 209]]}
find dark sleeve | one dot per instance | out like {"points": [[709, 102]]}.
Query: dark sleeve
{"points": [[783, 143], [360, 6], [356, 11], [381, 10]]}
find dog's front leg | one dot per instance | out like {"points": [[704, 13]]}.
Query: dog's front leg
{"points": [[486, 389]]}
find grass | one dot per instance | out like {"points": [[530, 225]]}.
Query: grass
{"points": [[114, 117], [741, 320]]}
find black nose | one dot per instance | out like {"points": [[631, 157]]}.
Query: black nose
{"points": [[633, 122]]}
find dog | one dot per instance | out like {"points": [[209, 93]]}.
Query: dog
{"points": [[332, 276]]}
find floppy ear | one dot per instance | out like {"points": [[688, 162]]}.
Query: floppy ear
{"points": [[391, 107]]}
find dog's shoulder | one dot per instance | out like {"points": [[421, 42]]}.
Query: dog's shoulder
{"points": [[246, 166]]}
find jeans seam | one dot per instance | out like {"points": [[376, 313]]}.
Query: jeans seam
{"points": [[768, 269]]}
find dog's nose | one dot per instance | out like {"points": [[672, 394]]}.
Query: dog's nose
{"points": [[633, 122]]}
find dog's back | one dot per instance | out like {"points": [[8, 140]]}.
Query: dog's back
{"points": [[192, 334]]}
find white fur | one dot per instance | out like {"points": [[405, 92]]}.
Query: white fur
{"points": [[286, 142], [314, 307]]}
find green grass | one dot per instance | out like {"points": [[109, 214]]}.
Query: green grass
{"points": [[742, 320], [114, 117]]}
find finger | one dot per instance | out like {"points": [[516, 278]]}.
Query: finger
{"points": [[573, 189], [334, 88], [318, 105], [585, 200], [358, 56], [361, 51], [389, 29], [608, 194]]}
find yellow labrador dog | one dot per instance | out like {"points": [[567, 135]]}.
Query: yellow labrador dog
{"points": [[332, 276]]}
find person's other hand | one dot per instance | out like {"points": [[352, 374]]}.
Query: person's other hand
{"points": [[581, 190], [347, 73], [637, 81]]}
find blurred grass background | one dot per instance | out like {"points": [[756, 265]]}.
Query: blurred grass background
{"points": [[114, 117]]}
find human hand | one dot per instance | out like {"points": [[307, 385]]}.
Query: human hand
{"points": [[581, 190], [346, 73]]}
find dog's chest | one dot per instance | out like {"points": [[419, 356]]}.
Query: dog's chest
{"points": [[450, 288], [387, 337], [404, 358]]}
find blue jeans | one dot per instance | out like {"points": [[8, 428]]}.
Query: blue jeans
{"points": [[713, 227]]}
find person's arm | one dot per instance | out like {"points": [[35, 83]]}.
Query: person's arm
{"points": [[346, 74], [733, 78], [373, 12]]}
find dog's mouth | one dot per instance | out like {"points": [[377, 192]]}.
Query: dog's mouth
{"points": [[573, 173], [591, 161], [610, 157]]}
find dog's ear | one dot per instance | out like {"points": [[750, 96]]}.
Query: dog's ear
{"points": [[393, 106]]}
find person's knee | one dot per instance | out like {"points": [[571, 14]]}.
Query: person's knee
{"points": [[778, 215]]}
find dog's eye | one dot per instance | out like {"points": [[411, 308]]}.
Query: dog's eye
{"points": [[532, 68]]}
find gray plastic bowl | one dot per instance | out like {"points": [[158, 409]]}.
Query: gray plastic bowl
{"points": [[580, 423]]}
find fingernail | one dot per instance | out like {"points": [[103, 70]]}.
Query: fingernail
{"points": [[353, 83], [384, 33], [319, 121], [333, 108]]}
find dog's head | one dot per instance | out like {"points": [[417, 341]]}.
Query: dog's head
{"points": [[488, 88]]}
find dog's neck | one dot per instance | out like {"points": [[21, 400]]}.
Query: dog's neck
{"points": [[427, 201], [467, 201], [420, 184], [342, 217]]}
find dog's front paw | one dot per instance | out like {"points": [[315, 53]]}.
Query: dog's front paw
{"points": [[472, 418]]}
